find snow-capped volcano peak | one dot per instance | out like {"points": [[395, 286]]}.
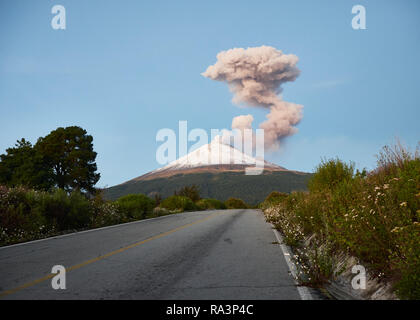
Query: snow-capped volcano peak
{"points": [[214, 153], [215, 156]]}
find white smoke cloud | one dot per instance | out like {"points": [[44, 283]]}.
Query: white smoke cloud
{"points": [[255, 76], [242, 122]]}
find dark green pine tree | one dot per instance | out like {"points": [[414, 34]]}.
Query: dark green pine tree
{"points": [[23, 166], [68, 152]]}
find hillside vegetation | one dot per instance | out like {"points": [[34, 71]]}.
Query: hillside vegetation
{"points": [[220, 186], [371, 216]]}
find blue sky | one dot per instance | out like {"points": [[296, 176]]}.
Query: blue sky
{"points": [[125, 69]]}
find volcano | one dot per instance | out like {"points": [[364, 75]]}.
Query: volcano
{"points": [[218, 169], [213, 157]]}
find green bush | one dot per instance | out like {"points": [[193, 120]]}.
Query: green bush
{"points": [[28, 209], [178, 203], [135, 206], [329, 174], [65, 211], [234, 203], [276, 197], [27, 214], [210, 204], [17, 214]]}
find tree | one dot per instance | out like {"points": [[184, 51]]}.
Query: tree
{"points": [[23, 166], [68, 152]]}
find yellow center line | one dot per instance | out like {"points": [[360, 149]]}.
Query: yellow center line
{"points": [[85, 263]]}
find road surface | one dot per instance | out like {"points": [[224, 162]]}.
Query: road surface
{"points": [[229, 254]]}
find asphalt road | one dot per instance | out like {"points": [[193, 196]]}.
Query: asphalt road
{"points": [[227, 254]]}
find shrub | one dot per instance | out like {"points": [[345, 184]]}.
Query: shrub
{"points": [[27, 214], [135, 206], [316, 263], [29, 209], [80, 213], [192, 192], [178, 203], [65, 211], [273, 199], [210, 204], [330, 173], [158, 211], [276, 197], [17, 218], [105, 213], [234, 203]]}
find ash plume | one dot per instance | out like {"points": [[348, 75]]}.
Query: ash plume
{"points": [[242, 122], [255, 76]]}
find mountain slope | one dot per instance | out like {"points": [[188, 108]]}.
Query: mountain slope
{"points": [[219, 171], [222, 185]]}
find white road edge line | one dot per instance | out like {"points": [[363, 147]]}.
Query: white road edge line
{"points": [[303, 291], [91, 230]]}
